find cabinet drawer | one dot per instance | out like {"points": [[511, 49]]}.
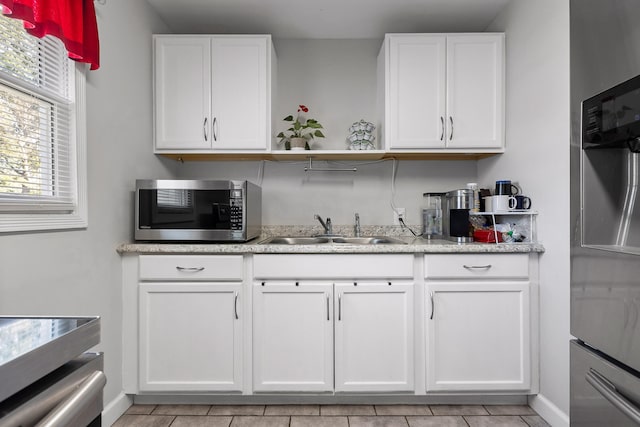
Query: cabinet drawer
{"points": [[190, 267], [330, 266], [477, 266]]}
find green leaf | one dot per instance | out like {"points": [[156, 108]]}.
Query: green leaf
{"points": [[280, 135], [296, 126], [288, 118], [318, 134]]}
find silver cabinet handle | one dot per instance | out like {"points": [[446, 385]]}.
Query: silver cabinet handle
{"points": [[477, 267], [339, 306], [609, 392], [194, 269], [327, 306], [442, 128], [66, 412], [433, 306], [204, 128], [215, 128], [235, 305], [451, 134]]}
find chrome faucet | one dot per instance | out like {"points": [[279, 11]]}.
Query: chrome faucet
{"points": [[357, 230], [328, 228]]}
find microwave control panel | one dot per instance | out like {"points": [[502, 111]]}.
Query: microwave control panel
{"points": [[236, 213]]}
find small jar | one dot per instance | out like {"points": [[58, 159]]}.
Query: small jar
{"points": [[475, 207]]}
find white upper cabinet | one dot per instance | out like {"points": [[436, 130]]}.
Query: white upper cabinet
{"points": [[475, 91], [213, 93], [416, 92], [443, 91], [182, 92]]}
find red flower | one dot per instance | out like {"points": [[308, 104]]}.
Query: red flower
{"points": [[303, 109]]}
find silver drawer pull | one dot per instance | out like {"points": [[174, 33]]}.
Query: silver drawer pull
{"points": [[477, 267], [609, 392], [235, 305], [328, 318], [194, 269], [433, 306], [204, 129]]}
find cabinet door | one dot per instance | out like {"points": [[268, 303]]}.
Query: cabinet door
{"points": [[293, 337], [190, 337], [239, 93], [475, 91], [374, 337], [182, 93], [416, 92], [478, 336]]}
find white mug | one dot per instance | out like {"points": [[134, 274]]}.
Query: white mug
{"points": [[488, 203], [503, 203]]}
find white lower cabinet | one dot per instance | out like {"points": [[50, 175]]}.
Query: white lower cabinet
{"points": [[334, 322], [190, 337], [331, 323], [295, 325], [374, 337], [293, 336], [190, 324], [478, 314]]}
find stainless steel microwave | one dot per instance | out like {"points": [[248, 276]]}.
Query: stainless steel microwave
{"points": [[197, 210]]}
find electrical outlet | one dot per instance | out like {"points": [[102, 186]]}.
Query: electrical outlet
{"points": [[397, 214]]}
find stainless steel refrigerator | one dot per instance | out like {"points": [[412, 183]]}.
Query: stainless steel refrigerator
{"points": [[605, 212]]}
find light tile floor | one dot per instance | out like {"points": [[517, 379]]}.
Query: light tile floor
{"points": [[330, 416]]}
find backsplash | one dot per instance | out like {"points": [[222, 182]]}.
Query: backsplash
{"points": [[345, 230]]}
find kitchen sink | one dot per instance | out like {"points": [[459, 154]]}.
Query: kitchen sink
{"points": [[376, 240], [296, 241]]}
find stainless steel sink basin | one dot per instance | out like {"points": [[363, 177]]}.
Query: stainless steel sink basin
{"points": [[296, 241], [376, 240]]}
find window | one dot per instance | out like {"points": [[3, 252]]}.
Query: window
{"points": [[42, 151]]}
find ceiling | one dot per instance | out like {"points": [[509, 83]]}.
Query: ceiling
{"points": [[326, 19]]}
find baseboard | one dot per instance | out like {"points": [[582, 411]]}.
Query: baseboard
{"points": [[550, 412], [329, 399], [114, 409]]}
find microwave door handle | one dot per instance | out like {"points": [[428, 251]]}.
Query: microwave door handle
{"points": [[609, 392]]}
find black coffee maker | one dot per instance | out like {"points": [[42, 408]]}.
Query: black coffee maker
{"points": [[456, 225]]}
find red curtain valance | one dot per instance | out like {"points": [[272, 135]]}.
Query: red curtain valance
{"points": [[72, 21]]}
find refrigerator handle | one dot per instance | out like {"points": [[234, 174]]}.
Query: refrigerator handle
{"points": [[609, 392]]}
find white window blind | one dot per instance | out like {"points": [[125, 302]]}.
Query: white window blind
{"points": [[39, 150]]}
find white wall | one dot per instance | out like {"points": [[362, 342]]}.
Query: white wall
{"points": [[537, 156], [78, 272]]}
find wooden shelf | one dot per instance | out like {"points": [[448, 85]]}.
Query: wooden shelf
{"points": [[345, 155]]}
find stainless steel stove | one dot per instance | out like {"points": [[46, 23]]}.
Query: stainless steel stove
{"points": [[46, 376]]}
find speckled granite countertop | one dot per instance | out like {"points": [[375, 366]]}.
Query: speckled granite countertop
{"points": [[412, 244]]}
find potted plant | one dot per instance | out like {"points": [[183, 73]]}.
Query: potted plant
{"points": [[301, 131]]}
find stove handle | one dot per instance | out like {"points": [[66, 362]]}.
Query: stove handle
{"points": [[64, 414], [608, 390]]}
